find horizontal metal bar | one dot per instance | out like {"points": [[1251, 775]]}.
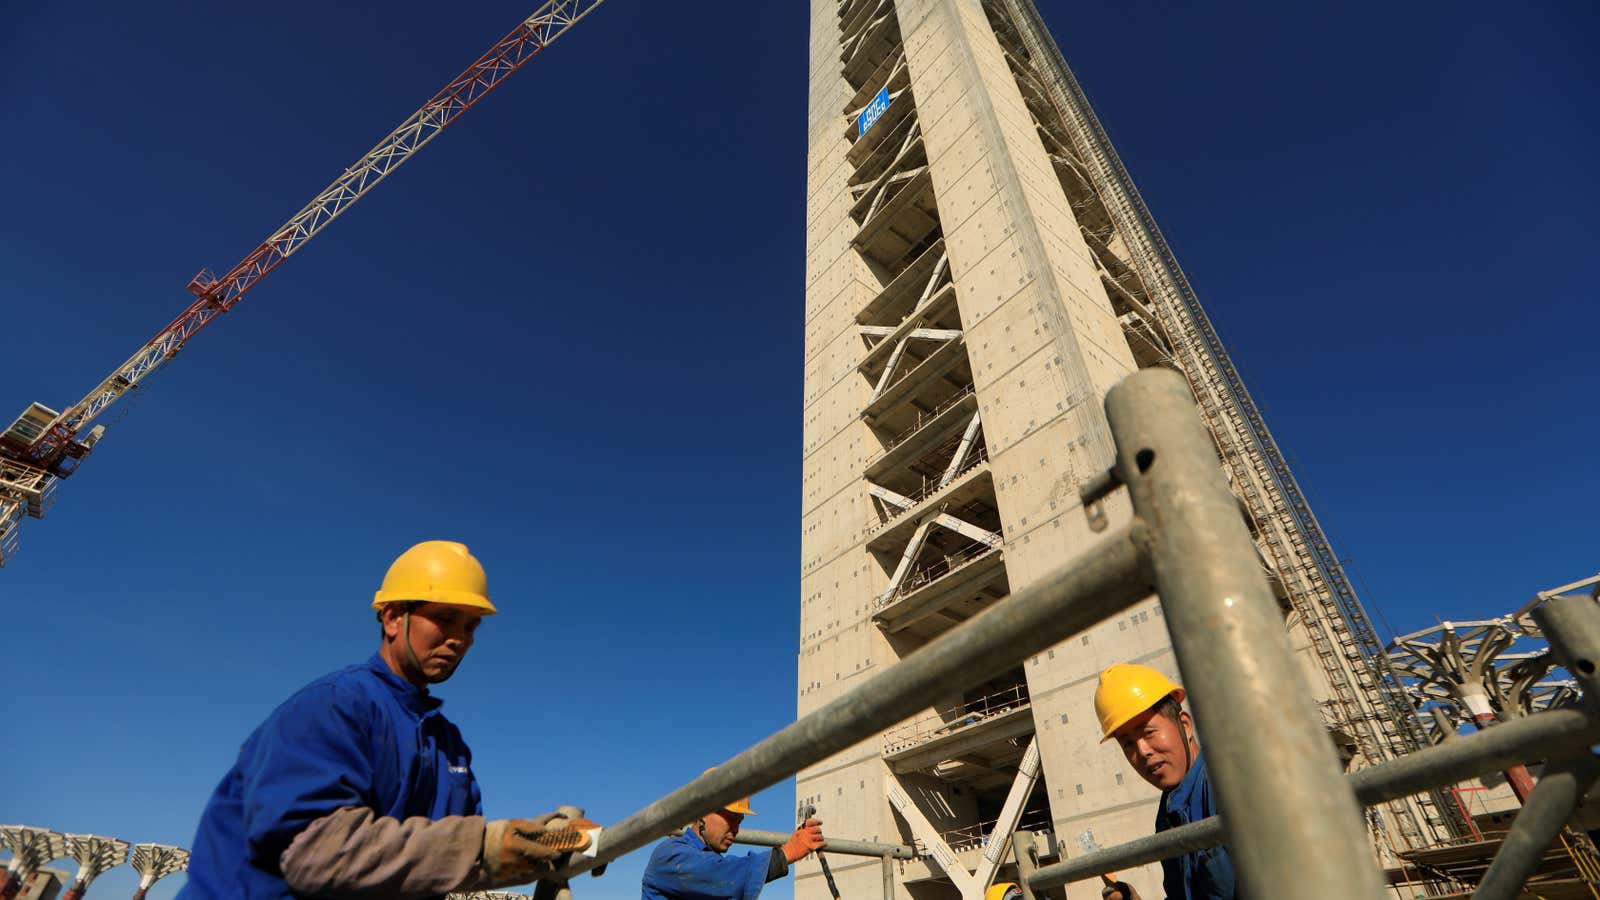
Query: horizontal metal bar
{"points": [[835, 845], [1455, 760], [1101, 582]]}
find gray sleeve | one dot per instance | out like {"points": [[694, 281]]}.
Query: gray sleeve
{"points": [[778, 865], [355, 853]]}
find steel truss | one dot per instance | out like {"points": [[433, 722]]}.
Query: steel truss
{"points": [[154, 862]]}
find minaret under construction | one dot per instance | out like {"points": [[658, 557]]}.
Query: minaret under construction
{"points": [[979, 272]]}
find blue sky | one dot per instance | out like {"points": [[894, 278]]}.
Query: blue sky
{"points": [[578, 313]]}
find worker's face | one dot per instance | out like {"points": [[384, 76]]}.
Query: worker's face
{"points": [[441, 635], [1154, 746], [720, 828]]}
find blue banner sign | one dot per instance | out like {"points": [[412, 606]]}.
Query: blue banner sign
{"points": [[873, 112]]}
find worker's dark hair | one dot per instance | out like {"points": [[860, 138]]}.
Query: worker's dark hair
{"points": [[1169, 707], [406, 606]]}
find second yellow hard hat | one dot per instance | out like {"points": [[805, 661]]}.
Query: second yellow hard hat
{"points": [[1126, 690], [436, 572]]}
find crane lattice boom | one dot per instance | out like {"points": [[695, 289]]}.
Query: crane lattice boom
{"points": [[54, 449]]}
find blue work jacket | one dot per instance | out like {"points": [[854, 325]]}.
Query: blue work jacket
{"points": [[684, 868], [1204, 874], [362, 736]]}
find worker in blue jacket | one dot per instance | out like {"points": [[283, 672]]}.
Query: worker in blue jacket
{"points": [[696, 865], [358, 786], [1143, 710]]}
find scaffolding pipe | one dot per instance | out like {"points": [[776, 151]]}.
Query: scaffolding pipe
{"points": [[1291, 817], [1571, 625], [835, 845], [1465, 757], [1101, 582], [1547, 810]]}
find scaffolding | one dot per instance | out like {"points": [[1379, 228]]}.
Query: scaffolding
{"points": [[1294, 818]]}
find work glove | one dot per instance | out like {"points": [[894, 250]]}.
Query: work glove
{"points": [[1119, 890], [517, 851], [806, 838]]}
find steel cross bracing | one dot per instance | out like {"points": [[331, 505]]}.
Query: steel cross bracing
{"points": [[23, 490], [217, 295], [895, 157], [1346, 644]]}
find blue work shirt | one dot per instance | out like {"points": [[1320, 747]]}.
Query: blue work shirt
{"points": [[362, 736], [684, 868], [1204, 874]]}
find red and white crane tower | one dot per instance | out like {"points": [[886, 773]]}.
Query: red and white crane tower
{"points": [[43, 446]]}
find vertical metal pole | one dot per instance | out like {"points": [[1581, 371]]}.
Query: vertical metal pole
{"points": [[1546, 812], [888, 877], [1572, 626], [1294, 827], [1026, 851]]}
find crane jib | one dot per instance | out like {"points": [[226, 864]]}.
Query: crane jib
{"points": [[43, 440]]}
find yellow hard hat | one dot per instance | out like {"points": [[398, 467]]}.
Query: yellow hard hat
{"points": [[740, 806], [1125, 691], [1003, 890], [436, 572]]}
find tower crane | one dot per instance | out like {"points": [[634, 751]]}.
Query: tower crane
{"points": [[43, 446]]}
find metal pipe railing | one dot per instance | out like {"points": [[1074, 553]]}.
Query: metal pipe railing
{"points": [[1296, 826], [1292, 818], [1103, 581], [1547, 810], [1572, 626], [835, 845], [1465, 757]]}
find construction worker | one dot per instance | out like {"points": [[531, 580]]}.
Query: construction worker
{"points": [[1142, 709], [695, 865], [358, 786]]}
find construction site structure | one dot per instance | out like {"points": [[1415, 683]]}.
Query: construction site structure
{"points": [[42, 445], [979, 271], [1466, 676]]}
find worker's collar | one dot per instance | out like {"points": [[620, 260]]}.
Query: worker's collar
{"points": [[1180, 796], [694, 838], [412, 697]]}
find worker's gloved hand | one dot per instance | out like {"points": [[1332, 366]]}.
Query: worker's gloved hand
{"points": [[568, 830], [806, 838], [517, 851], [1119, 890]]}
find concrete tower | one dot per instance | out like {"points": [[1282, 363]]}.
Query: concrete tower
{"points": [[979, 271]]}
